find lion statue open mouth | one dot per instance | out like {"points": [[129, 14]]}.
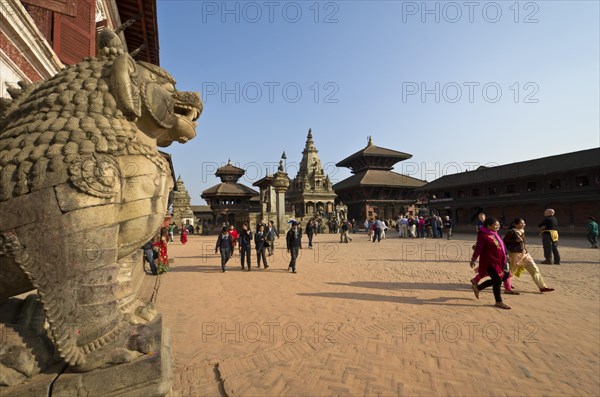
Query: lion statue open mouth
{"points": [[82, 188]]}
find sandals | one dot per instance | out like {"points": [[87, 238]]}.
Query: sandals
{"points": [[475, 290], [502, 305]]}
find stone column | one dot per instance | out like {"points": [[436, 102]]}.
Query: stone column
{"points": [[281, 184]]}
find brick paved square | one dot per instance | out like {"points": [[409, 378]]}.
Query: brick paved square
{"points": [[390, 318]]}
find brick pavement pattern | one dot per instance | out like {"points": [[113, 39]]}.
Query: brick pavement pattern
{"points": [[378, 319]]}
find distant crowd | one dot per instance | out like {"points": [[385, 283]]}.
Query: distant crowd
{"points": [[500, 259]]}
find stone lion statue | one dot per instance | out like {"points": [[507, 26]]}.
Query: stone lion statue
{"points": [[82, 188]]}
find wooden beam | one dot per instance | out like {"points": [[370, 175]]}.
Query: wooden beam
{"points": [[66, 7], [144, 32]]}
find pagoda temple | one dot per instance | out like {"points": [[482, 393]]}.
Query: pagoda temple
{"points": [[375, 189], [311, 193], [231, 202]]}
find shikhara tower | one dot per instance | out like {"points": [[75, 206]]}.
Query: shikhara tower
{"points": [[182, 213], [311, 193]]}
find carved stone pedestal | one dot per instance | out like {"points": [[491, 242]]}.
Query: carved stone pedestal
{"points": [[150, 375]]}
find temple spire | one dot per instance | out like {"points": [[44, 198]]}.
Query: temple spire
{"points": [[310, 144], [310, 191]]}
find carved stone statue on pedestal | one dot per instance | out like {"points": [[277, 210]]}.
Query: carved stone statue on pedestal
{"points": [[82, 188]]}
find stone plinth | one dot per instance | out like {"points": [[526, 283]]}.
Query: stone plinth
{"points": [[149, 375]]}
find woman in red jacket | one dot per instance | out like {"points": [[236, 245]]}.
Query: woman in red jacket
{"points": [[184, 233], [163, 258], [492, 260]]}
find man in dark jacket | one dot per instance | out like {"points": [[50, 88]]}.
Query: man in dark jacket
{"points": [[149, 252], [549, 230], [260, 242], [261, 222], [293, 241], [272, 233], [310, 231], [344, 232], [245, 239], [225, 246], [448, 226]]}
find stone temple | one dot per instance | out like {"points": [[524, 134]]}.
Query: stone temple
{"points": [[311, 193], [182, 212]]}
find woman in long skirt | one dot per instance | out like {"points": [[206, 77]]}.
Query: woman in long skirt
{"points": [[183, 235], [163, 259]]}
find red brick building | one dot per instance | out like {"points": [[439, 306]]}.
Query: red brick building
{"points": [[569, 183], [39, 37]]}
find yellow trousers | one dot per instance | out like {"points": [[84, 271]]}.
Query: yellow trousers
{"points": [[524, 259]]}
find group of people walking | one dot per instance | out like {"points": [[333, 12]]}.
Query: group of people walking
{"points": [[376, 229], [424, 226], [410, 226], [264, 243], [501, 259]]}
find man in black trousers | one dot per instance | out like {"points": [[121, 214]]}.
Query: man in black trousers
{"points": [[294, 244], [549, 230], [260, 240], [245, 240], [225, 246], [271, 232]]}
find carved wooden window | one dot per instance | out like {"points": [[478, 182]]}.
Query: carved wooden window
{"points": [[74, 37], [581, 181]]}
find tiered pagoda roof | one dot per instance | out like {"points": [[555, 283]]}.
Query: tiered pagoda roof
{"points": [[373, 158], [372, 166], [229, 185]]}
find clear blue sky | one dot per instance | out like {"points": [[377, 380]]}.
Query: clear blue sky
{"points": [[361, 67]]}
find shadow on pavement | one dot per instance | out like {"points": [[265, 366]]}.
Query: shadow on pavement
{"points": [[569, 263], [394, 299], [407, 286], [201, 269], [216, 268], [410, 260]]}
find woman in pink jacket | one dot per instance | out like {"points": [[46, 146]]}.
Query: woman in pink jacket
{"points": [[493, 260]]}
